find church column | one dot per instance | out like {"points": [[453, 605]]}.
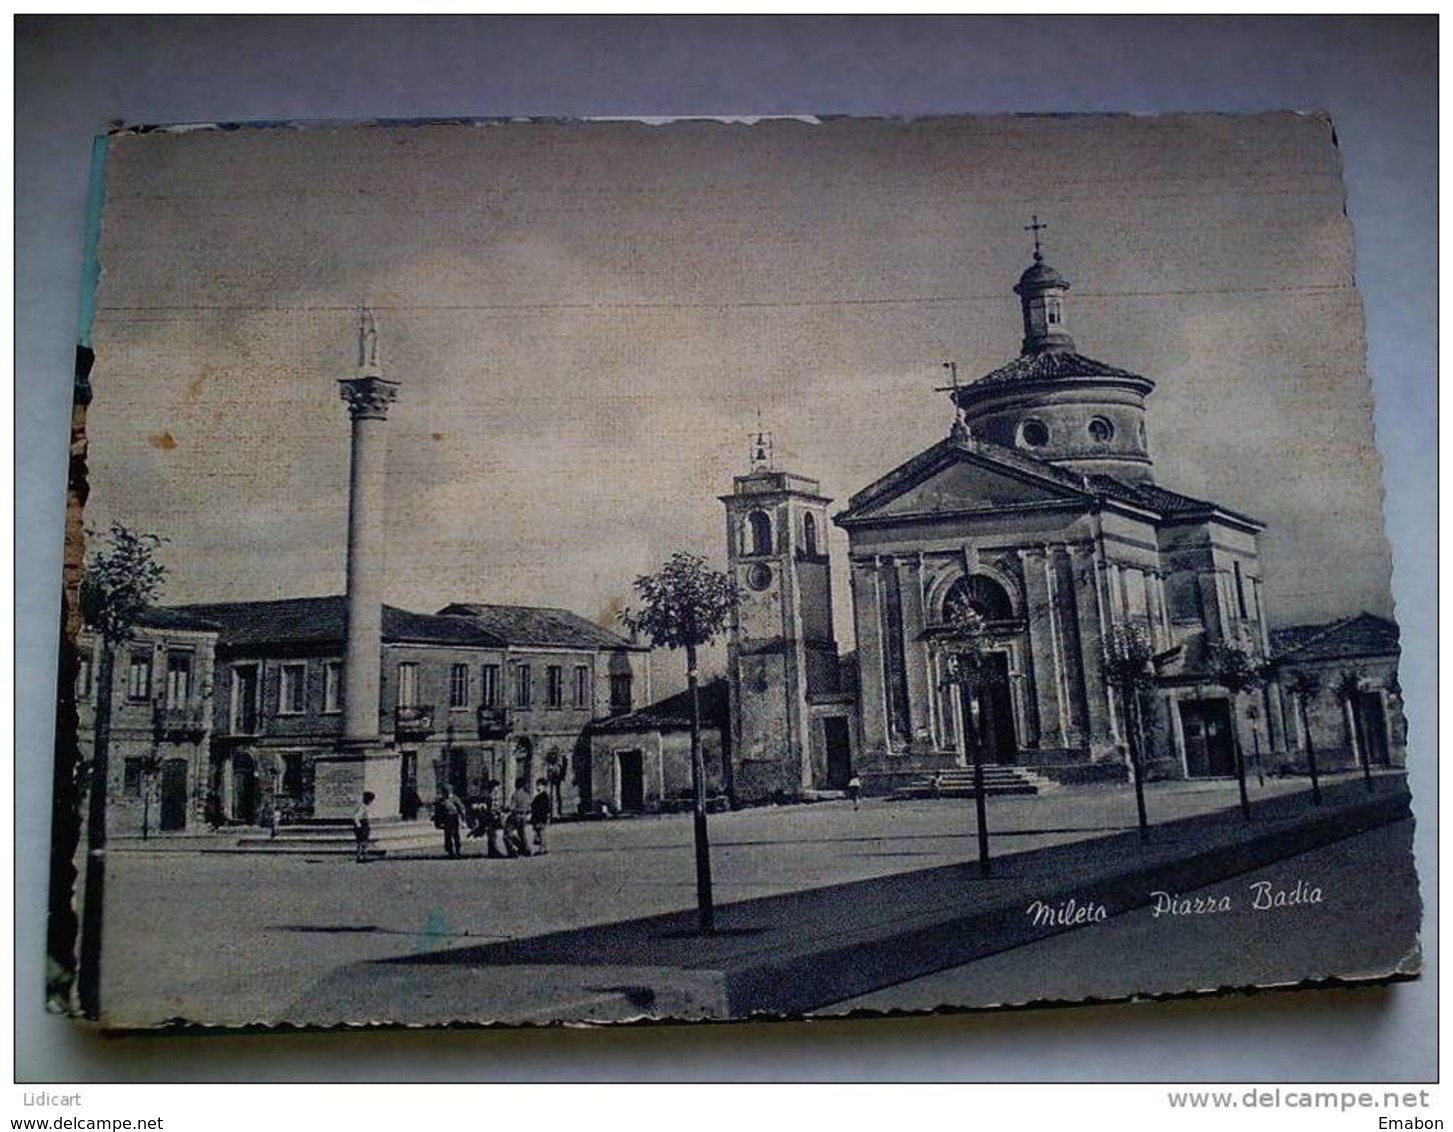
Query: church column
{"points": [[1099, 698], [868, 619], [915, 649], [1039, 622]]}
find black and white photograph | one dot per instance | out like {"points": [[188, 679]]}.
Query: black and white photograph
{"points": [[595, 571]]}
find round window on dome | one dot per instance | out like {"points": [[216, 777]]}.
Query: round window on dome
{"points": [[1101, 430], [1034, 433]]}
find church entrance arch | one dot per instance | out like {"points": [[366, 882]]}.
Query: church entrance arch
{"points": [[980, 594]]}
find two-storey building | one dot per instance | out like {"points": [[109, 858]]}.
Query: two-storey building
{"points": [[472, 694], [160, 721]]}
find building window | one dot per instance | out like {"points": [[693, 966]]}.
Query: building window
{"points": [[131, 776], [620, 692], [522, 685], [408, 684], [333, 686], [1240, 590], [809, 535], [555, 686], [582, 686], [760, 528], [1052, 311], [244, 699], [83, 679], [292, 689], [489, 686], [1101, 430], [138, 677], [459, 685], [1034, 433], [178, 679]]}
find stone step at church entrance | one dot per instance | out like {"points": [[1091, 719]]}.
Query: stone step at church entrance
{"points": [[958, 782]]}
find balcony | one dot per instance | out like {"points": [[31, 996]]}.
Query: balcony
{"points": [[414, 722], [188, 722], [494, 723]]}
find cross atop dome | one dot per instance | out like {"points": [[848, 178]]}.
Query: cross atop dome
{"points": [[1036, 227]]}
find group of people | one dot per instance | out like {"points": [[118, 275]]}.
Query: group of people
{"points": [[505, 829]]}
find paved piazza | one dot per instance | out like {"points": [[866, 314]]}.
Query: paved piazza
{"points": [[235, 937]]}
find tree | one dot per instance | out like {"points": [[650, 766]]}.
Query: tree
{"points": [[1129, 671], [122, 578], [1348, 688], [1305, 686], [684, 605], [1236, 668], [966, 643]]}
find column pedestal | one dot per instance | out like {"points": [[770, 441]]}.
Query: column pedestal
{"points": [[340, 777]]}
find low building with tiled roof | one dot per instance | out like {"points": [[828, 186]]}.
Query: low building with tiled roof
{"points": [[1345, 675], [641, 761]]}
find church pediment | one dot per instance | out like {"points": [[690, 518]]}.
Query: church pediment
{"points": [[954, 478]]}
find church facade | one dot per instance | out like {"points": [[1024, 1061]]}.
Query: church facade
{"points": [[1041, 513]]}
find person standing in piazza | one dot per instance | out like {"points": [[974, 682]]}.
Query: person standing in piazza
{"points": [[540, 807], [516, 843], [449, 812], [362, 827]]}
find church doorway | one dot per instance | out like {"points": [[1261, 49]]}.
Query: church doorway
{"points": [[1206, 725], [839, 752], [996, 713], [173, 795]]}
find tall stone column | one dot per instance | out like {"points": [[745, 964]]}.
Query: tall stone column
{"points": [[362, 763], [368, 398]]}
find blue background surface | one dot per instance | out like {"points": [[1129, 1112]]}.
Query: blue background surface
{"points": [[1377, 76]]}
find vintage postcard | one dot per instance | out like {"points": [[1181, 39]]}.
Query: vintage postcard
{"points": [[596, 571]]}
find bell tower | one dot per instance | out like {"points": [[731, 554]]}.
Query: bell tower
{"points": [[781, 652]]}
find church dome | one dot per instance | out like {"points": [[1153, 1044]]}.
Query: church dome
{"points": [[1053, 403], [1039, 276]]}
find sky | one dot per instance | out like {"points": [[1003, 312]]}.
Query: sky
{"points": [[586, 319]]}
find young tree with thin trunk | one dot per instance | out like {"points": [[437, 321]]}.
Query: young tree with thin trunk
{"points": [[1129, 671], [1305, 686], [684, 605], [1237, 668], [121, 579], [966, 643]]}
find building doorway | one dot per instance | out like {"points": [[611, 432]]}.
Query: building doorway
{"points": [[244, 788], [1372, 727], [409, 800], [524, 767], [173, 795], [1206, 725], [632, 779], [839, 751]]}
